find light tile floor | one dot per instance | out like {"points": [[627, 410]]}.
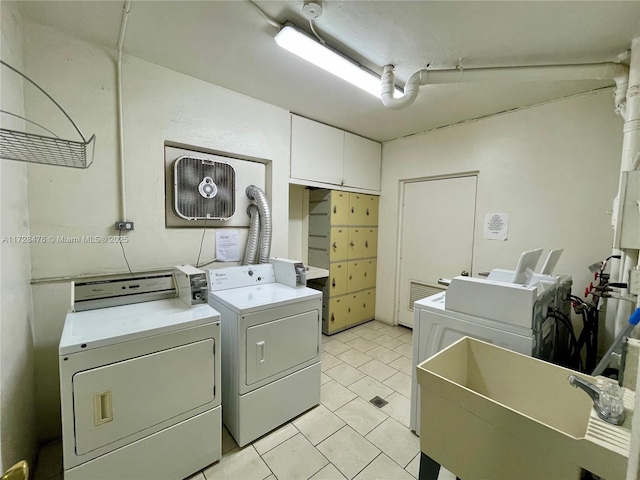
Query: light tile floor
{"points": [[345, 437]]}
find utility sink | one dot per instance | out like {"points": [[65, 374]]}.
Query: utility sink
{"points": [[490, 413]]}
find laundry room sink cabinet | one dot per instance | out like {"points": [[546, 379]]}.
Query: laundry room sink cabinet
{"points": [[343, 238]]}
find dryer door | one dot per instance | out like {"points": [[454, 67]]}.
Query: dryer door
{"points": [[121, 399], [274, 348]]}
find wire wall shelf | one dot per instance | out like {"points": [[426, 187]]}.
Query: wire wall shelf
{"points": [[49, 150]]}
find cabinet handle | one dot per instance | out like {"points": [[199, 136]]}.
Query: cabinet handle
{"points": [[334, 245], [365, 274], [364, 305], [335, 210], [333, 318], [367, 212], [349, 310], [333, 282], [351, 243], [350, 277], [366, 243], [352, 210]]}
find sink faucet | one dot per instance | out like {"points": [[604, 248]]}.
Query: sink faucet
{"points": [[608, 404]]}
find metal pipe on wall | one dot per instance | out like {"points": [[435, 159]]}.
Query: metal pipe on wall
{"points": [[123, 28], [630, 112], [527, 73]]}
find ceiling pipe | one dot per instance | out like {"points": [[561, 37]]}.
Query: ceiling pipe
{"points": [[533, 73]]}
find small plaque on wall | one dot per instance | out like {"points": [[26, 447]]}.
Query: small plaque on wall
{"points": [[496, 226]]}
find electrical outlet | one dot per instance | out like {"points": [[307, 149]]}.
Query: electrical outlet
{"points": [[127, 226], [634, 282]]}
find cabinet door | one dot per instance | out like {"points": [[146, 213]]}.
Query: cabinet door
{"points": [[337, 314], [337, 282], [339, 244], [316, 151], [339, 208], [361, 162]]}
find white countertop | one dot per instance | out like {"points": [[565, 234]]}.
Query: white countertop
{"points": [[316, 272]]}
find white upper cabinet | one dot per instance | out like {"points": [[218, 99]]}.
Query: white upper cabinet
{"points": [[321, 154], [316, 151], [361, 162]]}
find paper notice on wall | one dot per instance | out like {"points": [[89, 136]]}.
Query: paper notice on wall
{"points": [[227, 245], [496, 226]]}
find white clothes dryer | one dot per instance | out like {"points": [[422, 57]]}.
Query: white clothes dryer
{"points": [[271, 338], [140, 386]]}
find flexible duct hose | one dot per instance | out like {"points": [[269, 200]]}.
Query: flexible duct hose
{"points": [[257, 195], [251, 249]]}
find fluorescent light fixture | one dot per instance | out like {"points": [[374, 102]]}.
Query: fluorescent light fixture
{"points": [[305, 47]]}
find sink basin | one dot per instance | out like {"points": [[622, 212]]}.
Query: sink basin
{"points": [[488, 412]]}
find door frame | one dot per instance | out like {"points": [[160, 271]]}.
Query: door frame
{"points": [[402, 183]]}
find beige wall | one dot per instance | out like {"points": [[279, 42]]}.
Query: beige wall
{"points": [[553, 168], [17, 424], [159, 105]]}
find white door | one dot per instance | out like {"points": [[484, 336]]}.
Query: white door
{"points": [[436, 238]]}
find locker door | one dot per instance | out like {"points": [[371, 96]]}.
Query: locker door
{"points": [[339, 244], [339, 208], [357, 207], [368, 301], [369, 242], [370, 207], [337, 282], [356, 243], [337, 313], [355, 276], [369, 273], [363, 305]]}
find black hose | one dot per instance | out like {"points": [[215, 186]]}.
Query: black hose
{"points": [[574, 360]]}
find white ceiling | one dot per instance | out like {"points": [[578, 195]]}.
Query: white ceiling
{"points": [[229, 43]]}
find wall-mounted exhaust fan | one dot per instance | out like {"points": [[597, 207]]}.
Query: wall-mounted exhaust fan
{"points": [[204, 189]]}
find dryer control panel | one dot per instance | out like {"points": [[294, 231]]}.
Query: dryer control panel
{"points": [[240, 276]]}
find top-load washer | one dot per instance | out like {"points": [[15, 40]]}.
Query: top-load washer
{"points": [[139, 382], [271, 338]]}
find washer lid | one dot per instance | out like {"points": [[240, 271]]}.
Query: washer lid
{"points": [[109, 326], [259, 297]]}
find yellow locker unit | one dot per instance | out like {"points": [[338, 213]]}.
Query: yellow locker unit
{"points": [[343, 238]]}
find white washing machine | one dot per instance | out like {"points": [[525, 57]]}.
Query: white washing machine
{"points": [[140, 383], [271, 348], [435, 328]]}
